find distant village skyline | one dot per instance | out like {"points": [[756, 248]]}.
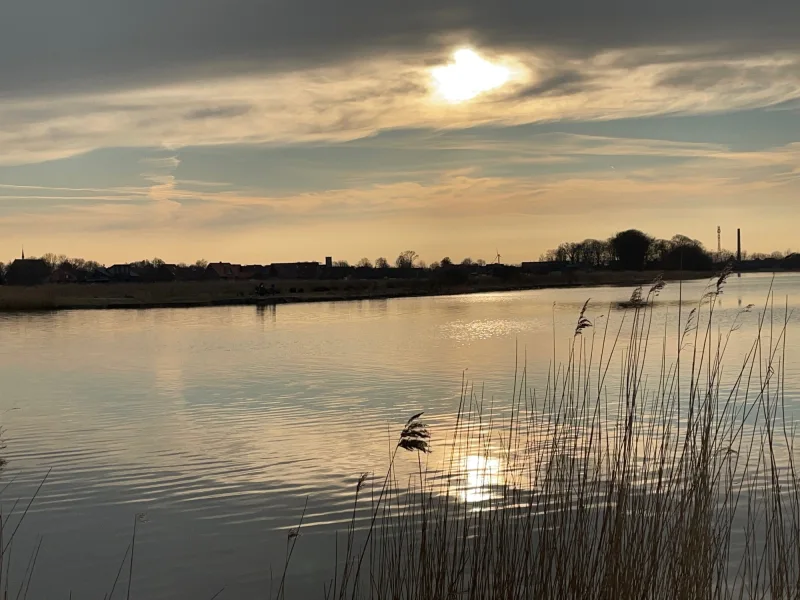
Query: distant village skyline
{"points": [[391, 258]]}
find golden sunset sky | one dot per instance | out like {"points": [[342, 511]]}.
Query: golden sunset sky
{"points": [[264, 131]]}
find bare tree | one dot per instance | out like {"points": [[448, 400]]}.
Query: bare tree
{"points": [[341, 263], [202, 263], [364, 263], [381, 263], [51, 260], [406, 259], [446, 262]]}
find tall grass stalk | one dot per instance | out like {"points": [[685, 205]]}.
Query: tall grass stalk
{"points": [[630, 475]]}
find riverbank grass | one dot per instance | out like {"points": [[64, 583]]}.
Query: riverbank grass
{"points": [[644, 469]]}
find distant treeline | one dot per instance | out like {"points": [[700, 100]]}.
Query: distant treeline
{"points": [[51, 268], [630, 250], [635, 250]]}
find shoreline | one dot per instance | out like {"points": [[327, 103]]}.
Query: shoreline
{"points": [[149, 296]]}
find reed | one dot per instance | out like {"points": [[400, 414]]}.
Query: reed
{"points": [[643, 469]]}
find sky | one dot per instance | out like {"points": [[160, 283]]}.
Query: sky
{"points": [[277, 130]]}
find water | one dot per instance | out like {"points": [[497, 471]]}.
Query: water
{"points": [[217, 425]]}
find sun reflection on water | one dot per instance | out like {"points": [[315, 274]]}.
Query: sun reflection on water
{"points": [[483, 476]]}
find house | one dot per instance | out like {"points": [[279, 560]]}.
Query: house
{"points": [[298, 270], [254, 272], [28, 271], [64, 274], [123, 273], [189, 273], [156, 273], [792, 261], [98, 275], [222, 270]]}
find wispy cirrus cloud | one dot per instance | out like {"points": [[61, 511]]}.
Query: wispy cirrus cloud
{"points": [[362, 98], [471, 199]]}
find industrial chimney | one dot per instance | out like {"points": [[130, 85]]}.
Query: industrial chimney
{"points": [[738, 245]]}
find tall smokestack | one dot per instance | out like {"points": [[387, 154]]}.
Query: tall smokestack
{"points": [[738, 245]]}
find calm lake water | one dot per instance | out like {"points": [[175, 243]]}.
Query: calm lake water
{"points": [[217, 424]]}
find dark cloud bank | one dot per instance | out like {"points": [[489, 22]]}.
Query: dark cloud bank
{"points": [[80, 45]]}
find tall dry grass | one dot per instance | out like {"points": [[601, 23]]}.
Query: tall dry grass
{"points": [[642, 470]]}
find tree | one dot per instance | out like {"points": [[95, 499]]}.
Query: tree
{"points": [[467, 262], [574, 252], [724, 256], [658, 250], [679, 240], [480, 262], [381, 263], [364, 263], [593, 252], [682, 252], [561, 253], [631, 248], [51, 259], [446, 262], [202, 263], [341, 263], [690, 257], [549, 256], [406, 259]]}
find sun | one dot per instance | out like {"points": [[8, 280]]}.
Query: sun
{"points": [[467, 76]]}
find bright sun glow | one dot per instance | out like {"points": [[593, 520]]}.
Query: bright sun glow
{"points": [[467, 76], [483, 476]]}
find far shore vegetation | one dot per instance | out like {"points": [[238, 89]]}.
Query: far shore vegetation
{"points": [[627, 258]]}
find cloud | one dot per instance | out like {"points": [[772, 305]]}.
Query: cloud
{"points": [[559, 84], [361, 98], [160, 172], [710, 170], [218, 112], [102, 44], [526, 212], [747, 76]]}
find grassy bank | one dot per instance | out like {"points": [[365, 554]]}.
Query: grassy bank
{"points": [[221, 293]]}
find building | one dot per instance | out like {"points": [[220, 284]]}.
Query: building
{"points": [[222, 270], [123, 273], [254, 272], [64, 274], [98, 275], [28, 271], [298, 270]]}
